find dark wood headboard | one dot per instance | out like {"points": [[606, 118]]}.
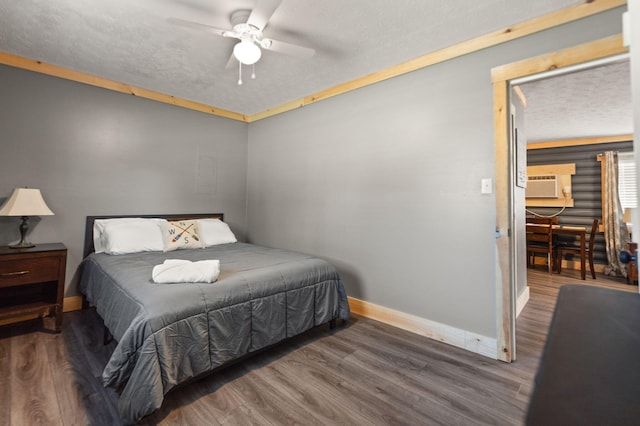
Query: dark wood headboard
{"points": [[88, 229]]}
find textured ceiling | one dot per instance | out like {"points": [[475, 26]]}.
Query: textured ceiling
{"points": [[131, 41], [589, 103]]}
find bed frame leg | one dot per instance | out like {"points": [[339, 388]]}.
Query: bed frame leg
{"points": [[332, 324], [107, 337]]}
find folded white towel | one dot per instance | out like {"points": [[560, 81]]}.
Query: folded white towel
{"points": [[186, 271]]}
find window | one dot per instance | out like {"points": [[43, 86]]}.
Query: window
{"points": [[627, 180]]}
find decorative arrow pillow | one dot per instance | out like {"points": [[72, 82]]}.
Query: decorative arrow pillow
{"points": [[182, 234]]}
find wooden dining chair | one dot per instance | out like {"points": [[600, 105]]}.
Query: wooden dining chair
{"points": [[540, 240], [543, 220], [562, 249]]}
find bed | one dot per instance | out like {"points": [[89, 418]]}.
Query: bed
{"points": [[168, 334]]}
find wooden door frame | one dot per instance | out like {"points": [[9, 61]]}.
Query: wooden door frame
{"points": [[501, 77]]}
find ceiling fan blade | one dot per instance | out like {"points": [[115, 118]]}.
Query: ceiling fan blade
{"points": [[262, 12], [196, 25], [289, 49], [232, 62]]}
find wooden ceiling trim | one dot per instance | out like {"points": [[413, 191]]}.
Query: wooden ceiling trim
{"points": [[563, 16], [550, 20], [79, 77], [581, 141]]}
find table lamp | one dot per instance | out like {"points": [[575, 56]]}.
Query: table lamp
{"points": [[25, 202]]}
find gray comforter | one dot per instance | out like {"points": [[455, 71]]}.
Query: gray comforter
{"points": [[170, 333]]}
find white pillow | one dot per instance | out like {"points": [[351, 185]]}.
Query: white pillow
{"points": [[214, 232], [99, 225], [98, 230], [131, 236]]}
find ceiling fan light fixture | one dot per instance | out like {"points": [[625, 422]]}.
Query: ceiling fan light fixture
{"points": [[247, 52]]}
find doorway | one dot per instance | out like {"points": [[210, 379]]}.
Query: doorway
{"points": [[562, 121], [504, 174]]}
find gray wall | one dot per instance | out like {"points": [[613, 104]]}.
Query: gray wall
{"points": [[93, 152], [385, 182]]}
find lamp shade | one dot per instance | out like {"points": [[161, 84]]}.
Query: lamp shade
{"points": [[247, 52], [628, 214], [25, 202]]}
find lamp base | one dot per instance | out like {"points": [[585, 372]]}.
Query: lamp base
{"points": [[24, 227], [22, 245]]}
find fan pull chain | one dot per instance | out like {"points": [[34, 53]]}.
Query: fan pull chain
{"points": [[253, 72]]}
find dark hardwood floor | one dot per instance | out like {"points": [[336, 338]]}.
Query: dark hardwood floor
{"points": [[361, 373]]}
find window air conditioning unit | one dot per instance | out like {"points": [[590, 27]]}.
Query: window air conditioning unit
{"points": [[544, 186]]}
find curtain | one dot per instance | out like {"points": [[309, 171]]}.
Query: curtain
{"points": [[616, 234]]}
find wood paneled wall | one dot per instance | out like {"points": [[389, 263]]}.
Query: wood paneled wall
{"points": [[586, 184]]}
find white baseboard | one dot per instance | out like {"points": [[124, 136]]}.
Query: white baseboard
{"points": [[522, 300], [470, 341]]}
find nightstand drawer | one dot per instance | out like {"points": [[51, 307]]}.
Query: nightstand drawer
{"points": [[26, 271]]}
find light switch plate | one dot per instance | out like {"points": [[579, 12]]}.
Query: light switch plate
{"points": [[486, 186]]}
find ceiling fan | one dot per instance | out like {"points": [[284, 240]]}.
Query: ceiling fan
{"points": [[247, 26]]}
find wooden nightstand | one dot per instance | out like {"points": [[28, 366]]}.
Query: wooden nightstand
{"points": [[32, 281]]}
